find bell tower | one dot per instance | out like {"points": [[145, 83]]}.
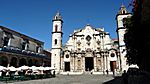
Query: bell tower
{"points": [[56, 41], [122, 13]]}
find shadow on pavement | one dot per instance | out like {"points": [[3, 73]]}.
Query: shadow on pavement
{"points": [[130, 79], [116, 80]]}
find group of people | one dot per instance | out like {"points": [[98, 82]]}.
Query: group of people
{"points": [[107, 72]]}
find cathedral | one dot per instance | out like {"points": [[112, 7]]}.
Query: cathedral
{"points": [[89, 48]]}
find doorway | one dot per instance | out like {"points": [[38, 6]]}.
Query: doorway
{"points": [[89, 64], [67, 66], [112, 65]]}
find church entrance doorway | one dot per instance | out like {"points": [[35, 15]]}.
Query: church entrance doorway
{"points": [[89, 64], [112, 65], [67, 66]]}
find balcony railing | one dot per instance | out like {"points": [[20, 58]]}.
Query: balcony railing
{"points": [[23, 52]]}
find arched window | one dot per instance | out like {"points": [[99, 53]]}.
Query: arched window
{"points": [[56, 28], [55, 41], [124, 12]]}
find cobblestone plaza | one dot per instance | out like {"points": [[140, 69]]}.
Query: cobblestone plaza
{"points": [[69, 79]]}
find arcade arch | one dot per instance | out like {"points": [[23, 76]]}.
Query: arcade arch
{"points": [[3, 61], [22, 62], [14, 61]]}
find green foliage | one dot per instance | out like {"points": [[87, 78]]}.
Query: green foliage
{"points": [[130, 41], [137, 37]]}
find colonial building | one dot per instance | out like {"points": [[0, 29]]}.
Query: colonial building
{"points": [[17, 49]]}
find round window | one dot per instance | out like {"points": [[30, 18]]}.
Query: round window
{"points": [[67, 56], [112, 55]]}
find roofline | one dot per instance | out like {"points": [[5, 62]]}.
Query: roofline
{"points": [[21, 35]]}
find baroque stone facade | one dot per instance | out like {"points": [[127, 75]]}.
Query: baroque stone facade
{"points": [[89, 48]]}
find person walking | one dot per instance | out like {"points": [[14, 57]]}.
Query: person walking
{"points": [[107, 72]]}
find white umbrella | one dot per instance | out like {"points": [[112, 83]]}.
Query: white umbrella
{"points": [[133, 66], [11, 68], [52, 68], [7, 73], [24, 67], [40, 68], [46, 68], [34, 68], [16, 73], [2, 68], [49, 68], [18, 69]]}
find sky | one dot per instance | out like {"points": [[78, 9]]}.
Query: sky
{"points": [[34, 17]]}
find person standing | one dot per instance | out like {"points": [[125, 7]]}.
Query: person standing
{"points": [[125, 77], [107, 71]]}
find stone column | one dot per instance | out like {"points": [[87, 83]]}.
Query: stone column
{"points": [[118, 62], [62, 64], [83, 65], [9, 60], [75, 63], [18, 62], [71, 64], [106, 58], [105, 62], [95, 63]]}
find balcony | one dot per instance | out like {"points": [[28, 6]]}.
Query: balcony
{"points": [[23, 52]]}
